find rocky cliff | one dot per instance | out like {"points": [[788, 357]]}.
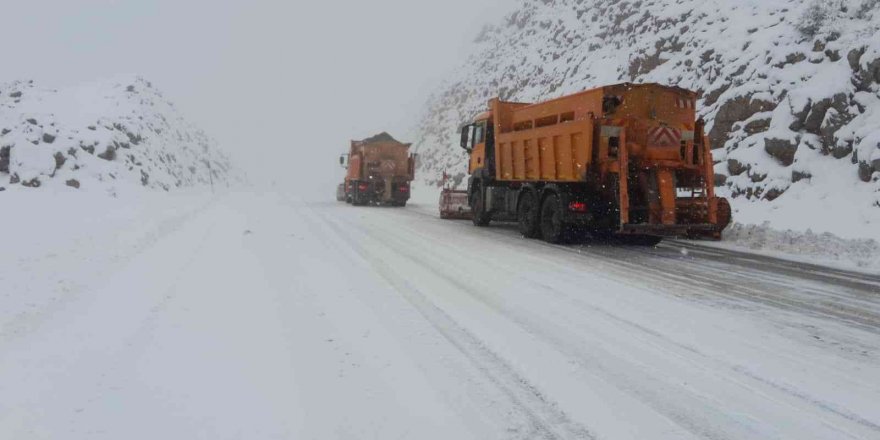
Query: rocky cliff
{"points": [[790, 89]]}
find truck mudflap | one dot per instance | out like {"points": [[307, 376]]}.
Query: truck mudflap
{"points": [[705, 218], [454, 204]]}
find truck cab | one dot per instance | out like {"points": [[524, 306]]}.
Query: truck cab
{"points": [[474, 139]]}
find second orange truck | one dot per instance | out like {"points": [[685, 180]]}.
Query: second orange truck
{"points": [[379, 170]]}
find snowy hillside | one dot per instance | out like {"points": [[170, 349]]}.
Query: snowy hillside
{"points": [[99, 135], [790, 90]]}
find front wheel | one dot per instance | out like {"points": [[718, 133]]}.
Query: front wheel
{"points": [[552, 226], [527, 215], [358, 199], [480, 217]]}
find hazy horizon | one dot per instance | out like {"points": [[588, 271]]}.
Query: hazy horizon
{"points": [[281, 86]]}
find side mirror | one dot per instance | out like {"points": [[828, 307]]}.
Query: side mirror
{"points": [[342, 161], [465, 131]]}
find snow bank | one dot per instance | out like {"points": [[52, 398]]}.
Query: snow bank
{"points": [[824, 249], [102, 135]]}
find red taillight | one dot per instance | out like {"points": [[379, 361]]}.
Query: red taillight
{"points": [[363, 186], [577, 206], [403, 188]]}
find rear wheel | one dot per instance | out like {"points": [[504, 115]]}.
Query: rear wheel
{"points": [[724, 215], [527, 215], [480, 217], [358, 199], [552, 226]]}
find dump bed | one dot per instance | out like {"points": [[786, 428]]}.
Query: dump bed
{"points": [[380, 157], [554, 140]]}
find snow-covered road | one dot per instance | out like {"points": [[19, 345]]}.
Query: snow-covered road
{"points": [[261, 316]]}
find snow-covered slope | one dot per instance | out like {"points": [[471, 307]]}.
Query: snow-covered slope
{"points": [[790, 90], [101, 135]]}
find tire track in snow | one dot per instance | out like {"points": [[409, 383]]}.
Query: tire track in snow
{"points": [[728, 281], [130, 346], [854, 280], [26, 323], [727, 278], [625, 381], [546, 419], [403, 247], [84, 359], [851, 279], [684, 283], [681, 286]]}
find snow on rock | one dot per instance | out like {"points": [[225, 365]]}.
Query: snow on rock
{"points": [[790, 89], [102, 135]]}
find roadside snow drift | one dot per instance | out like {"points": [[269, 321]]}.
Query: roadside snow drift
{"points": [[98, 134]]}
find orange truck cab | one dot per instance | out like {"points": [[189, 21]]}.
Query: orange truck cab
{"points": [[629, 160], [379, 170]]}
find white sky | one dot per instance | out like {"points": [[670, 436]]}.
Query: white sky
{"points": [[283, 85]]}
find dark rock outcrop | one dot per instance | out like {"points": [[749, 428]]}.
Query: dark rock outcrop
{"points": [[733, 111], [781, 149], [109, 153], [4, 158], [735, 167]]}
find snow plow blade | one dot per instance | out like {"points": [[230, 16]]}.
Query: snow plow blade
{"points": [[454, 204]]}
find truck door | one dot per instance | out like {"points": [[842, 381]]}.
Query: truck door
{"points": [[470, 141], [480, 146], [489, 146]]}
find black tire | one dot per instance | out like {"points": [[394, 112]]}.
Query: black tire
{"points": [[602, 236], [358, 199], [640, 240], [527, 215], [552, 226], [480, 217]]}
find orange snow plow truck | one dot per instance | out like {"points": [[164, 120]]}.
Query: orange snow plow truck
{"points": [[378, 171], [628, 160]]}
